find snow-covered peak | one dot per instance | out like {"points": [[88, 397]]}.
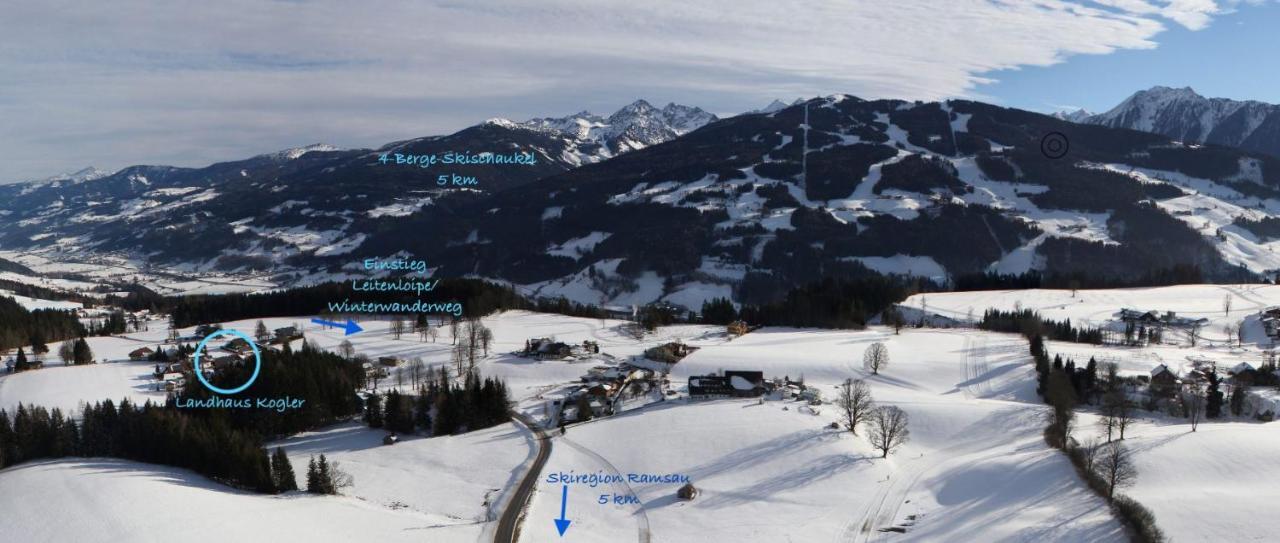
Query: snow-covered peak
{"points": [[634, 126], [295, 152], [1185, 115], [85, 174], [775, 105], [1077, 116]]}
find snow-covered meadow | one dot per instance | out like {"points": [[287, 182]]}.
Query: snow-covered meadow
{"points": [[975, 468]]}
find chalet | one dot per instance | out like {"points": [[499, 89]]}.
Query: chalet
{"points": [[205, 329], [1149, 318], [547, 349], [1155, 319], [1163, 381], [670, 353], [288, 333], [1270, 319], [620, 313], [141, 354], [733, 384], [238, 346], [225, 361]]}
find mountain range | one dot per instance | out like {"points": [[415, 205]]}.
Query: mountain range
{"points": [[1184, 115], [675, 204]]}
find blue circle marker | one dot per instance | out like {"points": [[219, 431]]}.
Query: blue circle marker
{"points": [[257, 362]]}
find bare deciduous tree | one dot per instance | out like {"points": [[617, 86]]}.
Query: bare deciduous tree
{"points": [[433, 333], [855, 402], [346, 349], [888, 429], [486, 338], [1124, 413], [1115, 465], [1193, 404], [460, 359], [418, 369], [397, 326], [876, 357], [1226, 304]]}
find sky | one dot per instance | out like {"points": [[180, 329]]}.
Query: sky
{"points": [[191, 83]]}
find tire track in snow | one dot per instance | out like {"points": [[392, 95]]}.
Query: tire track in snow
{"points": [[640, 512]]}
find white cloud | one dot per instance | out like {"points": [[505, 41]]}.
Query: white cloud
{"points": [[117, 83]]}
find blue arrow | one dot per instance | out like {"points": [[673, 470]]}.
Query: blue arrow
{"points": [[561, 523], [351, 326]]}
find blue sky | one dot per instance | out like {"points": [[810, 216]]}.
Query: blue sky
{"points": [[1237, 56], [129, 82]]}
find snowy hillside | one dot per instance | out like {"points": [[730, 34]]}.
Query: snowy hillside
{"points": [[975, 465], [1184, 115], [593, 138]]}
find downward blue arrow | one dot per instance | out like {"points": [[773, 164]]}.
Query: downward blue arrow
{"points": [[351, 327], [561, 523]]}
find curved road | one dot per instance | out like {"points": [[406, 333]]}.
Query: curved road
{"points": [[509, 524]]}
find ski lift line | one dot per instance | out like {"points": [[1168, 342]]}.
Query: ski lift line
{"points": [[804, 154]]}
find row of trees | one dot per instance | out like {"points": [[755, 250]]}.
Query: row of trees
{"points": [[36, 328], [146, 433], [442, 407], [1030, 324], [1106, 467], [71, 352]]}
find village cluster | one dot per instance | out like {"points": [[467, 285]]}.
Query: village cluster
{"points": [[611, 386]]}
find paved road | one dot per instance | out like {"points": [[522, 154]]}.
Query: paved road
{"points": [[509, 524]]}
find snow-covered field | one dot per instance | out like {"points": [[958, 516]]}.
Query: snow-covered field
{"points": [[107, 500], [1098, 307], [975, 469]]}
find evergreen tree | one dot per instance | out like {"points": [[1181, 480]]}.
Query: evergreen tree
{"points": [[422, 412], [20, 363], [325, 477], [38, 346], [7, 443], [373, 415], [1213, 396], [1237, 399], [313, 477], [83, 355], [282, 471]]}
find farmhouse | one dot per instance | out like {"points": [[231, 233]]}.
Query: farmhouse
{"points": [[733, 384], [1155, 319], [670, 353], [1163, 381], [546, 348], [141, 354], [737, 328]]}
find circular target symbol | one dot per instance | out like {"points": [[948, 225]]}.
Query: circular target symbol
{"points": [[1054, 145], [257, 361]]}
